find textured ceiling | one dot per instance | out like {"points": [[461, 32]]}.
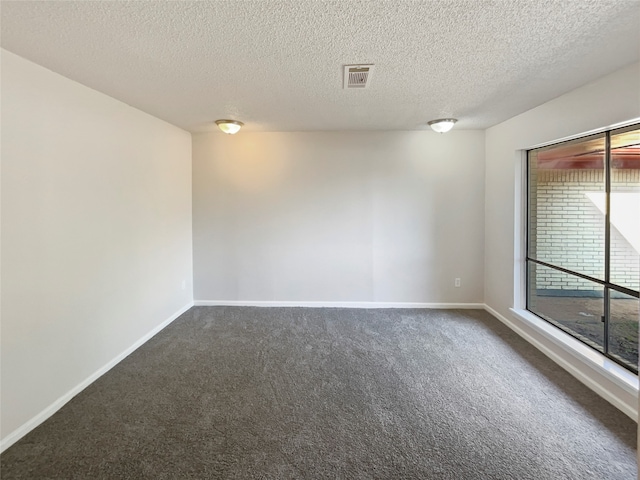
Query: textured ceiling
{"points": [[277, 65]]}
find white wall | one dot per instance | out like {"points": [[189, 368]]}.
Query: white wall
{"points": [[610, 100], [96, 235], [338, 217]]}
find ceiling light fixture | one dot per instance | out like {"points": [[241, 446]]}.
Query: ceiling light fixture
{"points": [[229, 126], [442, 125]]}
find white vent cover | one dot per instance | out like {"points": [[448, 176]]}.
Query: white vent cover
{"points": [[357, 76]]}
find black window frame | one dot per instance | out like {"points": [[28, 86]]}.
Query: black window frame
{"points": [[606, 283]]}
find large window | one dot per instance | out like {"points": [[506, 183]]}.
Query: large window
{"points": [[583, 240]]}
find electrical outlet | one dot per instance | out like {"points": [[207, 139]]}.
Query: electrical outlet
{"points": [[457, 282], [184, 284]]}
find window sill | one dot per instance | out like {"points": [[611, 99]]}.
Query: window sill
{"points": [[598, 362]]}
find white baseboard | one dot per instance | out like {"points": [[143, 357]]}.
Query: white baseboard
{"points": [[248, 303], [21, 431], [592, 382]]}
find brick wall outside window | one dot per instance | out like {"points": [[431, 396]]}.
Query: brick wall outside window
{"points": [[569, 231]]}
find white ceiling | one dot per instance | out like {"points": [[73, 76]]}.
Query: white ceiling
{"points": [[277, 64]]}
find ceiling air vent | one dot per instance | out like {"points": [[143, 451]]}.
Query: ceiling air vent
{"points": [[357, 76]]}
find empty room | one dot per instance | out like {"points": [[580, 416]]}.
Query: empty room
{"points": [[308, 239]]}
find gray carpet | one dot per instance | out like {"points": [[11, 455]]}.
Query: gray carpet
{"points": [[230, 392]]}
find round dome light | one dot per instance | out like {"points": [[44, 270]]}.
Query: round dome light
{"points": [[229, 126], [442, 125]]}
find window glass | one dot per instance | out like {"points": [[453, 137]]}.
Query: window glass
{"points": [[566, 221], [623, 327], [625, 208], [583, 240], [571, 303]]}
